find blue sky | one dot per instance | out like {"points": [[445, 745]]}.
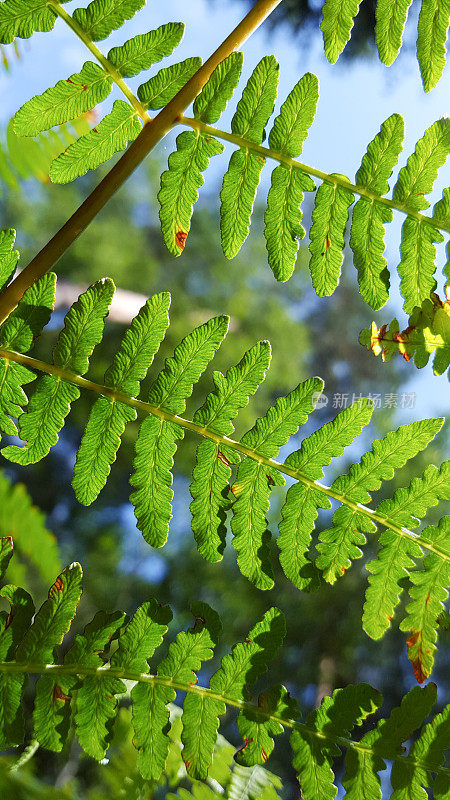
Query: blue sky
{"points": [[355, 98]]}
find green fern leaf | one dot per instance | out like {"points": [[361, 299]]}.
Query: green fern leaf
{"points": [[239, 669], [183, 660], [427, 597], [23, 17], [213, 99], [252, 487], [404, 720], [156, 442], [146, 49], [67, 100], [241, 180], [162, 87], [302, 502], [336, 25], [152, 478], [390, 24], [369, 217], [283, 218], [96, 701], [52, 705], [180, 184], [237, 196], [409, 779], [313, 759], [397, 553], [434, 20], [102, 17], [257, 731], [417, 266], [12, 629], [363, 766], [212, 471], [382, 155], [108, 417], [416, 179], [53, 619], [53, 396], [326, 234], [291, 126], [340, 544], [257, 102], [110, 136], [8, 256], [17, 333], [175, 382]]}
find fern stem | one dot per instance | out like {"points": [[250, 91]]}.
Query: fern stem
{"points": [[9, 667], [59, 11], [266, 152], [152, 132], [200, 430]]}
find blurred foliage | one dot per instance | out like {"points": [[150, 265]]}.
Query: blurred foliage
{"points": [[305, 15]]}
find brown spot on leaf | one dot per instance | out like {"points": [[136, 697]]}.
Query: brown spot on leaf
{"points": [[224, 460], [270, 480], [241, 749], [180, 239], [264, 754], [328, 243], [58, 694], [57, 586]]}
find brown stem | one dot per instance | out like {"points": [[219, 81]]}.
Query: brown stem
{"points": [[150, 135]]}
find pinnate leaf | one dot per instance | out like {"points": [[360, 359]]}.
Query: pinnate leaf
{"points": [[67, 100]]}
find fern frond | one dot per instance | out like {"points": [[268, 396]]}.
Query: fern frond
{"points": [[411, 779], [341, 544], [432, 31], [389, 27], [415, 180], [283, 216], [337, 715], [369, 217], [162, 87], [212, 471], [95, 678], [241, 180], [63, 102], [18, 332], [216, 93], [336, 25], [427, 332], [329, 220], [23, 17], [427, 596], [111, 135], [108, 417], [156, 441], [251, 489], [146, 49], [52, 399], [180, 184], [102, 17], [230, 475], [302, 502], [397, 554]]}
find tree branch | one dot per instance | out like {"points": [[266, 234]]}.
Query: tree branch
{"points": [[152, 132]]}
